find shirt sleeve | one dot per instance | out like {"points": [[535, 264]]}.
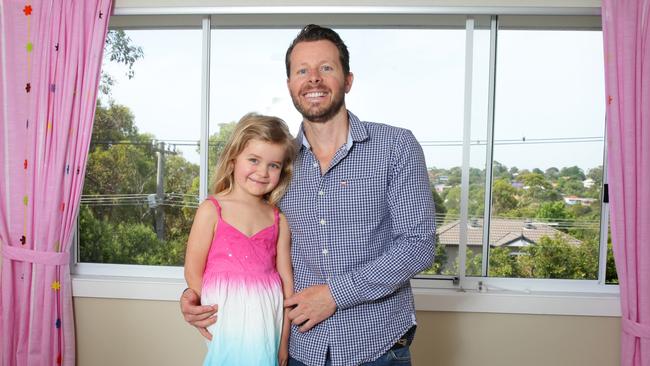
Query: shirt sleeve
{"points": [[412, 216]]}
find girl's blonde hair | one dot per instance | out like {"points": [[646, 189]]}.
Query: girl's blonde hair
{"points": [[254, 126]]}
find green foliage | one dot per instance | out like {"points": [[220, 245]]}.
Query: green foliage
{"points": [[504, 197], [549, 258], [119, 49], [123, 163], [610, 272], [112, 123], [571, 186], [441, 210], [552, 174], [125, 243], [217, 142], [502, 263], [553, 211], [573, 172]]}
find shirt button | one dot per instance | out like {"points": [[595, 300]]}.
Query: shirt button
{"points": [[315, 165], [325, 251], [322, 221], [321, 193]]}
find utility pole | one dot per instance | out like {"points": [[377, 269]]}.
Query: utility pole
{"points": [[160, 191], [156, 201]]}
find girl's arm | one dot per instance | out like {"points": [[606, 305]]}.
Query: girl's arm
{"points": [[283, 264], [198, 244]]}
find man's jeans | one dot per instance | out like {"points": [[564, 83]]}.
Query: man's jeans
{"points": [[392, 357]]}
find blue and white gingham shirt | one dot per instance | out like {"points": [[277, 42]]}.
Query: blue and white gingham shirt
{"points": [[365, 227]]}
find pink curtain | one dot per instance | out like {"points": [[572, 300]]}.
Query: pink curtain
{"points": [[50, 54], [626, 29]]}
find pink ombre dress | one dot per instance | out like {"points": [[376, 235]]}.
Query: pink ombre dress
{"points": [[241, 277]]}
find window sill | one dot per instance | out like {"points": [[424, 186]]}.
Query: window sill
{"points": [[452, 300]]}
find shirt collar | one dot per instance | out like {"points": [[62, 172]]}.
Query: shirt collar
{"points": [[356, 133]]}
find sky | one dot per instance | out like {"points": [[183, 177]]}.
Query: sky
{"points": [[549, 108]]}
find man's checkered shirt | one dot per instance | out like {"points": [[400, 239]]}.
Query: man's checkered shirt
{"points": [[364, 227]]}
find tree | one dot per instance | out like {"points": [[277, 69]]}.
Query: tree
{"points": [[441, 210], [553, 211], [451, 198], [503, 264], [217, 142], [596, 174], [500, 171], [537, 189], [552, 174], [573, 172], [116, 224], [504, 197], [118, 48], [571, 186], [113, 123]]}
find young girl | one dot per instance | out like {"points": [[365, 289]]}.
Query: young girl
{"points": [[238, 251]]}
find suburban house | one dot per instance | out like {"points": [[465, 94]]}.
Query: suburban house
{"points": [[511, 233]]}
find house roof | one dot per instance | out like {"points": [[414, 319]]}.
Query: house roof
{"points": [[503, 232]]}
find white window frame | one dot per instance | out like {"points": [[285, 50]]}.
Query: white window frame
{"points": [[434, 293]]}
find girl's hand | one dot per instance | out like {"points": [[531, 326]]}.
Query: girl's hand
{"points": [[283, 354]]}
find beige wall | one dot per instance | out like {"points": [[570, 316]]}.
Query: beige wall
{"points": [[135, 332]]}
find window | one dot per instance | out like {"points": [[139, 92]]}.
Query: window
{"points": [[141, 185], [548, 155], [512, 132]]}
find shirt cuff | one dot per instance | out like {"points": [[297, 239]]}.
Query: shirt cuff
{"points": [[344, 291]]}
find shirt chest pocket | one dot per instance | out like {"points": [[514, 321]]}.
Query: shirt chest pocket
{"points": [[359, 198]]}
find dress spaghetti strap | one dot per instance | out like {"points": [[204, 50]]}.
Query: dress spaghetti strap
{"points": [[276, 216], [216, 204]]}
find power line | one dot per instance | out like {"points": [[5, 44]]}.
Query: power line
{"points": [[522, 141]]}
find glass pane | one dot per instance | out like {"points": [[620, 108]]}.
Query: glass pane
{"points": [[246, 79], [548, 155], [449, 231], [141, 184], [398, 87], [418, 85], [611, 276]]}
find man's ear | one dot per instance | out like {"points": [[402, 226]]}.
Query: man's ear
{"points": [[348, 82]]}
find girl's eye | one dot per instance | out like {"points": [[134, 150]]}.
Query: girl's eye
{"points": [[275, 166], [253, 160]]}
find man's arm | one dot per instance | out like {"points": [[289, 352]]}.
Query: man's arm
{"points": [[412, 214]]}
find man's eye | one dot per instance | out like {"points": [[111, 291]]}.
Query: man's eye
{"points": [[327, 68], [301, 71]]}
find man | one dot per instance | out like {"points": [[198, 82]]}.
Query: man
{"points": [[361, 215]]}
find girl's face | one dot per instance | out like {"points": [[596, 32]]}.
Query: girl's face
{"points": [[257, 168]]}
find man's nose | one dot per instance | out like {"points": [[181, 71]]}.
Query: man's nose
{"points": [[314, 76]]}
